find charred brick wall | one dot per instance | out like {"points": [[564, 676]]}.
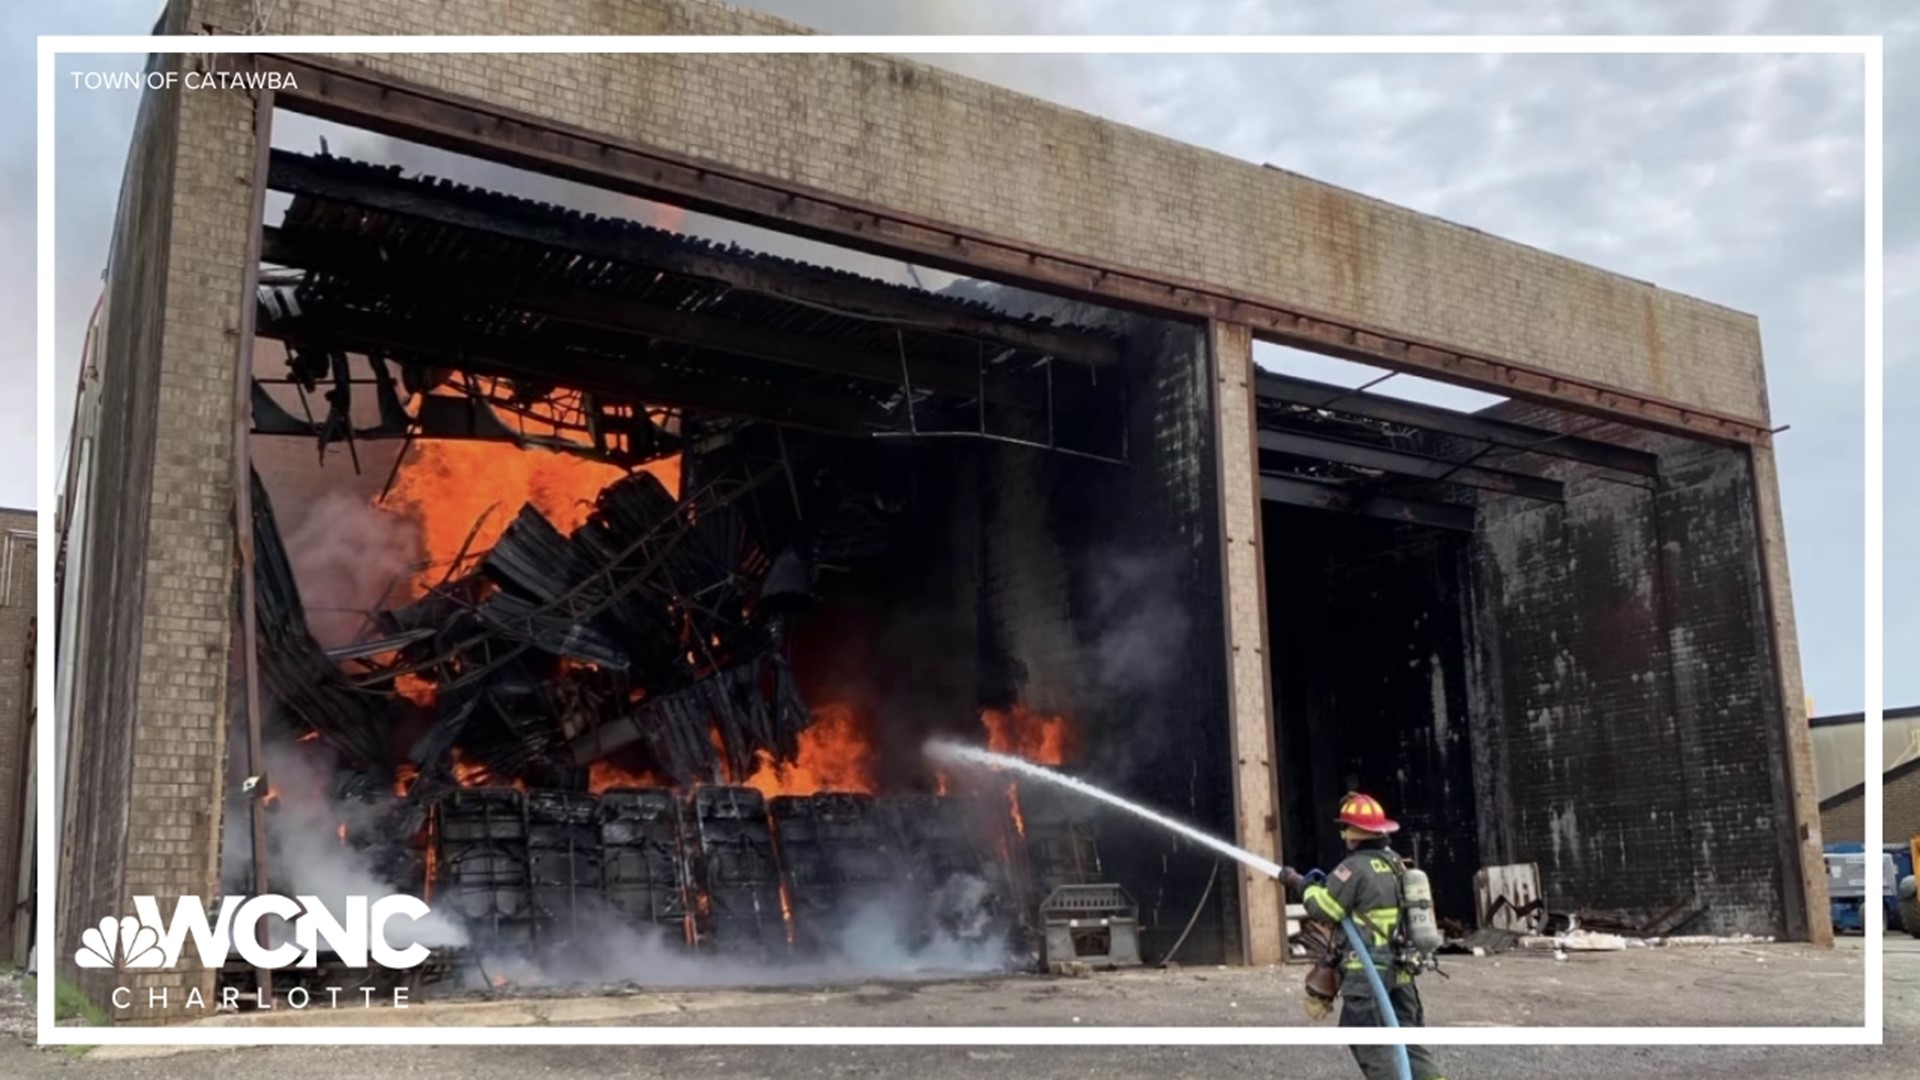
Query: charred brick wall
{"points": [[1370, 688], [1100, 600], [1627, 710]]}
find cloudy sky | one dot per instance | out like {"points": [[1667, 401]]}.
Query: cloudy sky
{"points": [[1736, 179]]}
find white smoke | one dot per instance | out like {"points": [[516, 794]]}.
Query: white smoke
{"points": [[1142, 619], [882, 936], [307, 855], [346, 557]]}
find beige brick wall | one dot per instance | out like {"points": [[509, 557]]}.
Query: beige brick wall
{"points": [[1845, 821], [1256, 813], [1793, 698], [921, 140], [179, 751]]}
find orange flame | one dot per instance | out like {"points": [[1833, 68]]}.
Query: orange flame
{"points": [[432, 857], [343, 834], [786, 912], [835, 755], [476, 774], [308, 737], [403, 777], [1013, 804], [604, 775], [446, 485], [415, 689], [1043, 740]]}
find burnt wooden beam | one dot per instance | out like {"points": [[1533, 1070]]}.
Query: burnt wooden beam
{"points": [[1502, 433], [506, 216], [1317, 496], [414, 278], [1404, 463], [708, 390]]}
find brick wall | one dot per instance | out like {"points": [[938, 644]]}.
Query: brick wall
{"points": [[146, 817], [17, 593], [1843, 817], [1628, 697], [959, 151], [179, 747], [1250, 717], [111, 568]]}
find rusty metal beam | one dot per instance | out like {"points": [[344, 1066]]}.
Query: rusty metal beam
{"points": [[1418, 466], [1501, 433], [419, 279], [352, 94], [349, 182], [1317, 496]]}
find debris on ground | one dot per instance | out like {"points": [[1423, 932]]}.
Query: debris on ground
{"points": [[16, 1005]]}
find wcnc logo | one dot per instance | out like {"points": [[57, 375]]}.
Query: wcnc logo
{"points": [[145, 941]]}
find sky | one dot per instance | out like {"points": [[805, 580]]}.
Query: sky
{"points": [[1739, 180]]}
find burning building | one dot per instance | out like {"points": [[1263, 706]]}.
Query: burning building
{"points": [[598, 582]]}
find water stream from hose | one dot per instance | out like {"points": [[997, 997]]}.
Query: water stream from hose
{"points": [[962, 754]]}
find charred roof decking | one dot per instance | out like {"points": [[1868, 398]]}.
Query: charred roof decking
{"points": [[424, 270], [449, 276]]}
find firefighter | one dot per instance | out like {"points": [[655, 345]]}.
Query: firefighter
{"points": [[1367, 886]]}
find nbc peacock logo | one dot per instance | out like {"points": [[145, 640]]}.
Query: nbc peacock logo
{"points": [[120, 943], [148, 939]]}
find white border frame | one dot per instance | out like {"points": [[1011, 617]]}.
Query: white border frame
{"points": [[50, 47]]}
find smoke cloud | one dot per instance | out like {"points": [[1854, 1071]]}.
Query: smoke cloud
{"points": [[880, 937], [1142, 620], [306, 854], [346, 556]]}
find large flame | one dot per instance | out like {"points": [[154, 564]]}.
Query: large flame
{"points": [[1023, 733], [835, 755], [446, 485]]}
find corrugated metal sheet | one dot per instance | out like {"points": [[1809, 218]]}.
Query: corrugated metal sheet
{"points": [[480, 255]]}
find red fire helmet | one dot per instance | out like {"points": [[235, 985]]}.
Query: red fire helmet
{"points": [[1364, 812]]}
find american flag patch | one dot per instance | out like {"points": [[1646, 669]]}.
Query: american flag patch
{"points": [[1342, 873]]}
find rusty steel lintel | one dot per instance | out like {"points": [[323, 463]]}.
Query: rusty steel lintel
{"points": [[243, 513], [356, 95]]}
